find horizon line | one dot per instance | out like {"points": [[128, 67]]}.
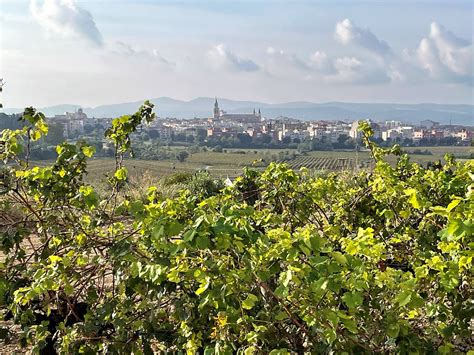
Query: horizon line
{"points": [[4, 108]]}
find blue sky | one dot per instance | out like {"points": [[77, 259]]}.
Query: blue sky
{"points": [[92, 52]]}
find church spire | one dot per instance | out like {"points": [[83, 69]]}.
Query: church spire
{"points": [[216, 110]]}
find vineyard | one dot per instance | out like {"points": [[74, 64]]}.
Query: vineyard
{"points": [[317, 163]]}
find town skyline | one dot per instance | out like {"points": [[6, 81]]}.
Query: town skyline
{"points": [[250, 129], [199, 107]]}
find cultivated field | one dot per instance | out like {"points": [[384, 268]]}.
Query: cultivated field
{"points": [[231, 163], [347, 160], [322, 163]]}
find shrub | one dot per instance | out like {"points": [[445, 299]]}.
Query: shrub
{"points": [[182, 156], [280, 261], [177, 178], [202, 185]]}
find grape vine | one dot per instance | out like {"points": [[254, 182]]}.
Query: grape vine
{"points": [[280, 262]]}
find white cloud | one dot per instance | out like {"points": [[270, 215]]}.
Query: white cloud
{"points": [[126, 50], [67, 19], [348, 33], [224, 58], [281, 59], [352, 70], [321, 62], [332, 70], [445, 56]]}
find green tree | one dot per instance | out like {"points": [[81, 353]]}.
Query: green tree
{"points": [[182, 156], [55, 134]]}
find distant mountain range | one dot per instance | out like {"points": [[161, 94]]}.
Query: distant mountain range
{"points": [[202, 107]]}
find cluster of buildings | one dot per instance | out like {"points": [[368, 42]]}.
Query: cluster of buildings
{"points": [[426, 130], [74, 123], [283, 129]]}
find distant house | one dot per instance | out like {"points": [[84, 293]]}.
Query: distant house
{"points": [[464, 134], [430, 134]]}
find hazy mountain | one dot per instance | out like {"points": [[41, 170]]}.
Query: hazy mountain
{"points": [[202, 107]]}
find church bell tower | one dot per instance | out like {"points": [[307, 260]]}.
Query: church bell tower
{"points": [[217, 112]]}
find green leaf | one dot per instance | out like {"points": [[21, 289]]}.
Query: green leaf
{"points": [[281, 291], [351, 325], [279, 352], [204, 286], [250, 301], [35, 135], [403, 298], [88, 151], [281, 315], [189, 235], [339, 257], [250, 350], [413, 198], [352, 299], [121, 174], [329, 335], [136, 207], [173, 276], [203, 242], [393, 329], [68, 289], [287, 277]]}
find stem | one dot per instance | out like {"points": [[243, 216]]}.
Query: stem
{"points": [[28, 142]]}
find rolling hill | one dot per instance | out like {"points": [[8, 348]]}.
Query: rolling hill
{"points": [[202, 107]]}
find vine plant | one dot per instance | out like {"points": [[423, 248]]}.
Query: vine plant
{"points": [[279, 262]]}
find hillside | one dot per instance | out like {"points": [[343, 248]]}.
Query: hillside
{"points": [[202, 107]]}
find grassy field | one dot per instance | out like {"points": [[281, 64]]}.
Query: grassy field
{"points": [[231, 163]]}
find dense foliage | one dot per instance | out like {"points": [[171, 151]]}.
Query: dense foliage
{"points": [[281, 261]]}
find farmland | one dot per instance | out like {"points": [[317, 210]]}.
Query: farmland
{"points": [[322, 163], [348, 160], [232, 162]]}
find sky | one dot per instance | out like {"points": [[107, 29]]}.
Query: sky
{"points": [[92, 52]]}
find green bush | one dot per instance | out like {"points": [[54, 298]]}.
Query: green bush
{"points": [[279, 262], [177, 178], [202, 185]]}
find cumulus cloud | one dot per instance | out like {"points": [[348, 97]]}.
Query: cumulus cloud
{"points": [[223, 57], [322, 67], [348, 33], [321, 62], [67, 19], [444, 55], [352, 70], [280, 58], [126, 50], [348, 69]]}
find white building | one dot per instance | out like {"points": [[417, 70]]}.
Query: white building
{"points": [[399, 132], [293, 134], [355, 134], [73, 122]]}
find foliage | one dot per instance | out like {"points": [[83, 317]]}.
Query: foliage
{"points": [[280, 261], [202, 185], [182, 156], [177, 178]]}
